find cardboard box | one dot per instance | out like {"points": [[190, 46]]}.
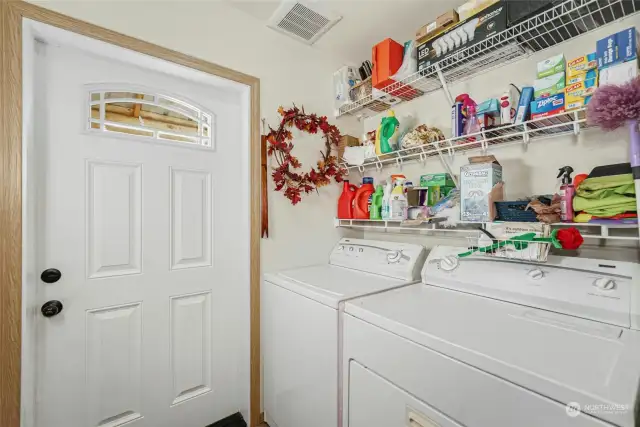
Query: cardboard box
{"points": [[582, 77], [490, 21], [619, 74], [524, 104], [473, 7], [551, 66], [581, 64], [579, 94], [549, 85], [436, 179], [477, 192], [617, 48], [434, 28], [387, 58], [547, 106]]}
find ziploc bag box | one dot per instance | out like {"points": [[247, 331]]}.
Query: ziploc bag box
{"points": [[551, 66], [617, 48], [579, 94], [582, 77], [547, 106], [477, 180], [581, 64], [548, 86], [619, 74]]}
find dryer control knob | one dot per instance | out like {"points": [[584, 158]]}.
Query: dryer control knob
{"points": [[604, 283], [449, 263], [394, 256], [535, 274]]}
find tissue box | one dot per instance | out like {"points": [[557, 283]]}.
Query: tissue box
{"points": [[550, 66], [617, 48], [581, 64], [579, 94], [619, 74], [477, 180], [549, 85], [547, 106]]}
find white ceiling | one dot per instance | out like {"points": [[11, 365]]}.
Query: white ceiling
{"points": [[364, 22]]}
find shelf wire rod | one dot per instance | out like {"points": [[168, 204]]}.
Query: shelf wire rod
{"points": [[443, 82], [576, 123]]}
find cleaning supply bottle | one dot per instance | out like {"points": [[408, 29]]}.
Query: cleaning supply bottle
{"points": [[385, 200], [362, 199], [387, 135], [472, 124], [567, 192], [397, 201], [375, 210], [345, 202]]}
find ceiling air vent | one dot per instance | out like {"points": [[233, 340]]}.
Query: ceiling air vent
{"points": [[304, 22]]}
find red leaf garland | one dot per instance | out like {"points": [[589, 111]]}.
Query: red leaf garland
{"points": [[280, 146]]}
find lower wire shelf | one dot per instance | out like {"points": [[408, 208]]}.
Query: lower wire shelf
{"points": [[466, 229]]}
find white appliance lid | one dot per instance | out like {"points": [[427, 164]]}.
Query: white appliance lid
{"points": [[330, 284], [565, 358], [600, 290]]}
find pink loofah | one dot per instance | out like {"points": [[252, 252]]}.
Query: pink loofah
{"points": [[613, 106]]}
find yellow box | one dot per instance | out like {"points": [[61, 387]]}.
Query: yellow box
{"points": [[581, 64], [578, 95]]}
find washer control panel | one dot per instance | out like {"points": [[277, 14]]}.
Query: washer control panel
{"points": [[399, 260]]}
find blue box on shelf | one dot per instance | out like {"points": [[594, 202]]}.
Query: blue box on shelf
{"points": [[617, 48]]}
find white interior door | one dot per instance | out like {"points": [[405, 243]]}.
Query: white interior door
{"points": [[143, 230]]}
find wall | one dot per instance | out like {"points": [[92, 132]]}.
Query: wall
{"points": [[527, 170]]}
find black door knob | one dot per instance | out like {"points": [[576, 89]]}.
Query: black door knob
{"points": [[50, 275], [51, 308]]}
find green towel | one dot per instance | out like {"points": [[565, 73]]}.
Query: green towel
{"points": [[606, 195]]}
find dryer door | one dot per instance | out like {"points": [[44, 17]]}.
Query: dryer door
{"points": [[375, 402]]}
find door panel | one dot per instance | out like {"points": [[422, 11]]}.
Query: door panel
{"points": [[114, 222], [191, 346], [191, 218], [114, 353], [133, 225]]}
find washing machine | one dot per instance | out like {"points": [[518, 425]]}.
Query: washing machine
{"points": [[490, 342], [302, 326]]}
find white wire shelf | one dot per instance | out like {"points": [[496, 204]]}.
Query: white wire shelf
{"points": [[533, 130], [564, 21], [470, 229]]}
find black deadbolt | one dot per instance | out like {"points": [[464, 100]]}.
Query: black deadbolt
{"points": [[51, 308], [50, 275]]}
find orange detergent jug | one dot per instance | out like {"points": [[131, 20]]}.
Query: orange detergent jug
{"points": [[345, 202], [362, 201]]}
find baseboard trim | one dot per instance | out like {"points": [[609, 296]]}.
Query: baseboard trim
{"points": [[235, 420]]}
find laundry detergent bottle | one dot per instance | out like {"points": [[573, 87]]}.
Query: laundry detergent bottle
{"points": [[375, 210], [363, 199], [345, 202], [397, 201], [386, 197], [387, 135]]}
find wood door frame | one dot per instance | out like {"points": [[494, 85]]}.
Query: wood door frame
{"points": [[12, 13]]}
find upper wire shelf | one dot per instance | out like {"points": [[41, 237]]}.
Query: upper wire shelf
{"points": [[568, 123], [562, 22]]}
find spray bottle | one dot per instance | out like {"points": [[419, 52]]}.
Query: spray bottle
{"points": [[567, 192], [386, 199]]}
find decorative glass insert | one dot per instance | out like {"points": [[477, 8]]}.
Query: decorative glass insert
{"points": [[150, 115]]}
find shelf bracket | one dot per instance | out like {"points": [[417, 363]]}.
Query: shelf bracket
{"points": [[443, 82], [525, 135], [399, 162], [423, 155], [576, 124], [446, 164], [485, 144], [378, 163], [361, 170], [346, 169]]}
